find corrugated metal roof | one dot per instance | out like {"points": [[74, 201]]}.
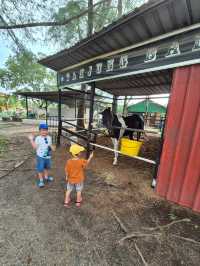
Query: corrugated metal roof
{"points": [[146, 106], [179, 170], [155, 18], [156, 82], [67, 97]]}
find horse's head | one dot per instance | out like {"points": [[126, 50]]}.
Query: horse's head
{"points": [[107, 118]]}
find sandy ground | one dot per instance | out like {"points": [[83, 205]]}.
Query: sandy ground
{"points": [[36, 229]]}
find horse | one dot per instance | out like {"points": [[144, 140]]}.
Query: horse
{"points": [[117, 125]]}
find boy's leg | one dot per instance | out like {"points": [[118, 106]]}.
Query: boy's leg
{"points": [[40, 176], [40, 181], [40, 170], [46, 173], [46, 170], [67, 196], [79, 196], [79, 188]]}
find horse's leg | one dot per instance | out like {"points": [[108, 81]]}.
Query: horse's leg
{"points": [[153, 184], [145, 136], [131, 135], [115, 143], [138, 136]]}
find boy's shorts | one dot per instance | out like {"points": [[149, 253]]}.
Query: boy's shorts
{"points": [[78, 187], [42, 164]]}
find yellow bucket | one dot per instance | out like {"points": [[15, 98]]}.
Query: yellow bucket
{"points": [[130, 147]]}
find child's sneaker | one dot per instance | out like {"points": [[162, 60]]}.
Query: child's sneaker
{"points": [[40, 183], [49, 179]]}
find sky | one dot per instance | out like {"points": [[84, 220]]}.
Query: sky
{"points": [[4, 52]]}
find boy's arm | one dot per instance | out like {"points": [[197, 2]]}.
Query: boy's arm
{"points": [[53, 147], [90, 158], [66, 172], [32, 141]]}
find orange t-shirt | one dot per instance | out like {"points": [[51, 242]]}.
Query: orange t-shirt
{"points": [[74, 170]]}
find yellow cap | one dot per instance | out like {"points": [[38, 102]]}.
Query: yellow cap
{"points": [[75, 149]]}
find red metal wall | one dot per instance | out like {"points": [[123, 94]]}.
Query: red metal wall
{"points": [[179, 170]]}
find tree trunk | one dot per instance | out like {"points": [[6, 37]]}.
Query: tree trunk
{"points": [[90, 17], [81, 108], [81, 104], [119, 8]]}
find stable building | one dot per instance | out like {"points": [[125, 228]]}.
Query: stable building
{"points": [[153, 50]]}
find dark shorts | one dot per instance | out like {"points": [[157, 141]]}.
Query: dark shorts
{"points": [[42, 164]]}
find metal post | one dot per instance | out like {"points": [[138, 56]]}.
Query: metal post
{"points": [[90, 125], [59, 115], [46, 110], [147, 111], [26, 107], [75, 107], [114, 104]]}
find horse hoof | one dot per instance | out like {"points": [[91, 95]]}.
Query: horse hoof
{"points": [[114, 163]]}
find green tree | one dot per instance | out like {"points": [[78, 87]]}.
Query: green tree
{"points": [[18, 12], [102, 14], [76, 30], [22, 72]]}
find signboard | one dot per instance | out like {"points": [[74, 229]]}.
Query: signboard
{"points": [[179, 49]]}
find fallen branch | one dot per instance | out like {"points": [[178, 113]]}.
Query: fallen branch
{"points": [[4, 169], [19, 164], [186, 239], [28, 169], [7, 161], [136, 235], [140, 254], [123, 227], [166, 225], [15, 167], [54, 190]]}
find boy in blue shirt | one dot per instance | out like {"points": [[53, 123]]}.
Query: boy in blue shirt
{"points": [[43, 146]]}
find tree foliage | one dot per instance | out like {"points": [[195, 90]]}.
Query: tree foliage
{"points": [[22, 72], [76, 30], [49, 12]]}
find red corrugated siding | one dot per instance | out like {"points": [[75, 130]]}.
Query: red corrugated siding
{"points": [[179, 171]]}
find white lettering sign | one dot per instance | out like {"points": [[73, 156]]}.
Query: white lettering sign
{"points": [[62, 79], [196, 44], [110, 65], [99, 68], [151, 55], [173, 50], [67, 76], [89, 73], [74, 76], [81, 73], [123, 61]]}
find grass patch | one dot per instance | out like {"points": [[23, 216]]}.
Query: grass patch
{"points": [[3, 144]]}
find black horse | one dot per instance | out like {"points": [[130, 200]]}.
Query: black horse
{"points": [[117, 127]]}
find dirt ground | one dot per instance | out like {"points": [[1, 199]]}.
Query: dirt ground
{"points": [[36, 229]]}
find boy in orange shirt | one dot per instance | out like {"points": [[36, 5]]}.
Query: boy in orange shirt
{"points": [[75, 176]]}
